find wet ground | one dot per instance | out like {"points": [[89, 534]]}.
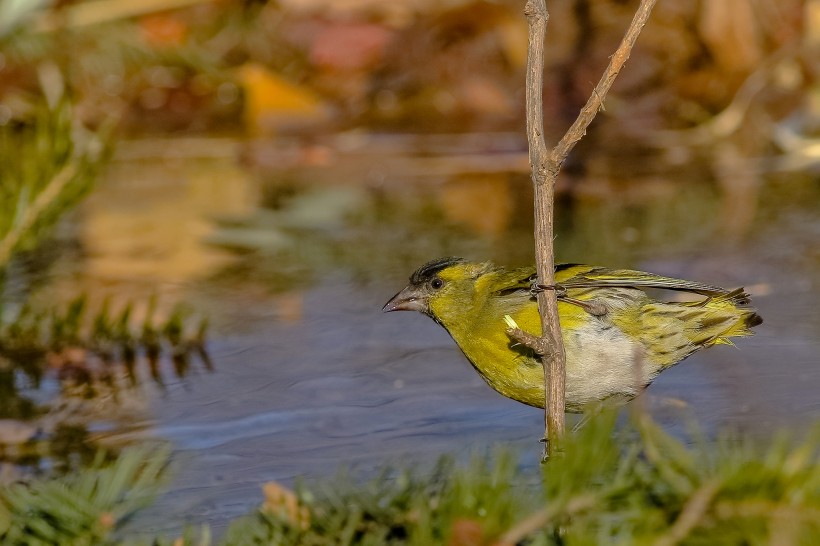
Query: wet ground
{"points": [[293, 250]]}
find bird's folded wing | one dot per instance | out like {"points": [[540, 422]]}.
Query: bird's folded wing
{"points": [[512, 281], [572, 276]]}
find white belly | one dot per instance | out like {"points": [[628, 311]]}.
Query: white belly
{"points": [[603, 362]]}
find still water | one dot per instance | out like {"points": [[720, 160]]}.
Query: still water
{"points": [[292, 249]]}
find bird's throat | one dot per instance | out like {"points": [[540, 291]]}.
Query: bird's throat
{"points": [[510, 369]]}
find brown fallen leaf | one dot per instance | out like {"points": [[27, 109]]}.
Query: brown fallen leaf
{"points": [[466, 532], [283, 502], [272, 102]]}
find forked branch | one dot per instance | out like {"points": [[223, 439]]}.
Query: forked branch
{"points": [[545, 166]]}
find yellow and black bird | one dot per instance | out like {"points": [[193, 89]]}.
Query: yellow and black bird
{"points": [[609, 324]]}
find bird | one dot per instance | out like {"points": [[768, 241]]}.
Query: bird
{"points": [[617, 338]]}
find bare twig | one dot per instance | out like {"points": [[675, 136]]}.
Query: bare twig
{"points": [[692, 514], [554, 359], [787, 523], [536, 343], [766, 509], [537, 520], [545, 166], [578, 129], [105, 11], [33, 213]]}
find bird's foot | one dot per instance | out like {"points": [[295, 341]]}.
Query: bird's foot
{"points": [[545, 454], [551, 451]]}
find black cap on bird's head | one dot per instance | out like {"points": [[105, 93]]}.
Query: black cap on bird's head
{"points": [[429, 270], [414, 296]]}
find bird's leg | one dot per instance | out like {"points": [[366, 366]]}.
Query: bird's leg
{"points": [[545, 455]]}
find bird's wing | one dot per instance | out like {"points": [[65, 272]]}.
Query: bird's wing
{"points": [[583, 276], [505, 282]]}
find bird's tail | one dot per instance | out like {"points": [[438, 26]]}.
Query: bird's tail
{"points": [[723, 317], [712, 321]]}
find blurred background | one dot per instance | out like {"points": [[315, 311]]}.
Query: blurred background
{"points": [[205, 203]]}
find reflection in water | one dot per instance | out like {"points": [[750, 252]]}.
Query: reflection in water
{"points": [[65, 370], [310, 376], [148, 220], [141, 239], [484, 203], [737, 175]]}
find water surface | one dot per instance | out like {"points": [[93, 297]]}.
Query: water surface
{"points": [[291, 250]]}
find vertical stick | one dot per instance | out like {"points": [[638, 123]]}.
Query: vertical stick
{"points": [[545, 167], [544, 184]]}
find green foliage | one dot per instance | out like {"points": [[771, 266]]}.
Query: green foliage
{"points": [[636, 485], [81, 509], [397, 507], [47, 165], [632, 484]]}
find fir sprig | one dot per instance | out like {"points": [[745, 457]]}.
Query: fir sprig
{"points": [[48, 163], [85, 508], [87, 346]]}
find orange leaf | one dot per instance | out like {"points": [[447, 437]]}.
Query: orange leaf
{"points": [[283, 502], [270, 100], [466, 532], [163, 30]]}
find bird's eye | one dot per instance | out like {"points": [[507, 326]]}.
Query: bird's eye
{"points": [[436, 283]]}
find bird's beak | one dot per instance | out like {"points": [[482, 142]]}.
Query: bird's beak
{"points": [[409, 299]]}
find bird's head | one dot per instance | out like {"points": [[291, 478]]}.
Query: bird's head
{"points": [[439, 288]]}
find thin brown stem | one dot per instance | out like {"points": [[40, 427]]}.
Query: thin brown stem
{"points": [[766, 509], [691, 515], [596, 100], [539, 519], [544, 167], [34, 211], [536, 343], [537, 18], [553, 359]]}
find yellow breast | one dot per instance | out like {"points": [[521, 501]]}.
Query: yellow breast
{"points": [[600, 357]]}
